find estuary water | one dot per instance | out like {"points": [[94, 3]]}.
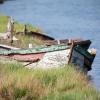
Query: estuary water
{"points": [[61, 19]]}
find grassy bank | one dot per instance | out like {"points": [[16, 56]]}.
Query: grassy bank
{"points": [[19, 83], [23, 40], [19, 27]]}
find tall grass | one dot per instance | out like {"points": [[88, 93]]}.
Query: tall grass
{"points": [[65, 83]]}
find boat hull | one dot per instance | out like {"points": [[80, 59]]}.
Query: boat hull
{"points": [[45, 60], [52, 56]]}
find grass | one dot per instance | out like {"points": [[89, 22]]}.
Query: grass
{"points": [[23, 40], [19, 83], [3, 23], [65, 83], [19, 27]]}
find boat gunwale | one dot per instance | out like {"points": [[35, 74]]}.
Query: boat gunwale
{"points": [[31, 51]]}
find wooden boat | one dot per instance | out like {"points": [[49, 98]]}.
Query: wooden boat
{"points": [[54, 55]]}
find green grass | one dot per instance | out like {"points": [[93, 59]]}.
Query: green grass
{"points": [[19, 83], [23, 40], [19, 27], [3, 23]]}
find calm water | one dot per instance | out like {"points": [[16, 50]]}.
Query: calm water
{"points": [[61, 19]]}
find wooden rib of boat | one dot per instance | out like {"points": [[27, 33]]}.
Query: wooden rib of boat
{"points": [[54, 55], [84, 43], [5, 47]]}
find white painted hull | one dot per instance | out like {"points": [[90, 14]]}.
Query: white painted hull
{"points": [[52, 59]]}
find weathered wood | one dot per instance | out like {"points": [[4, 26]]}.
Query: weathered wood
{"points": [[37, 35], [54, 42], [54, 55], [32, 62], [25, 29], [71, 50], [5, 47], [84, 43]]}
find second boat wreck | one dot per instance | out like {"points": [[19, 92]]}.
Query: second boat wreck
{"points": [[56, 55]]}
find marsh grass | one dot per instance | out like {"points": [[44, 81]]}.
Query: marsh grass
{"points": [[18, 27], [23, 40], [19, 83]]}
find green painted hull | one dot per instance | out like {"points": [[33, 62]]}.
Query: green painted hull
{"points": [[36, 50]]}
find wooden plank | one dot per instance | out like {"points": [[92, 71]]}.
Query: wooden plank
{"points": [[6, 47], [84, 43], [71, 51]]}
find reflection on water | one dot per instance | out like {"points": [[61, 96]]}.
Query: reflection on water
{"points": [[61, 19]]}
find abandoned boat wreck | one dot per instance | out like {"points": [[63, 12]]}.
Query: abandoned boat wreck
{"points": [[54, 55]]}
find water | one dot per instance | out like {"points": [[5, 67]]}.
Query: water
{"points": [[61, 19]]}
